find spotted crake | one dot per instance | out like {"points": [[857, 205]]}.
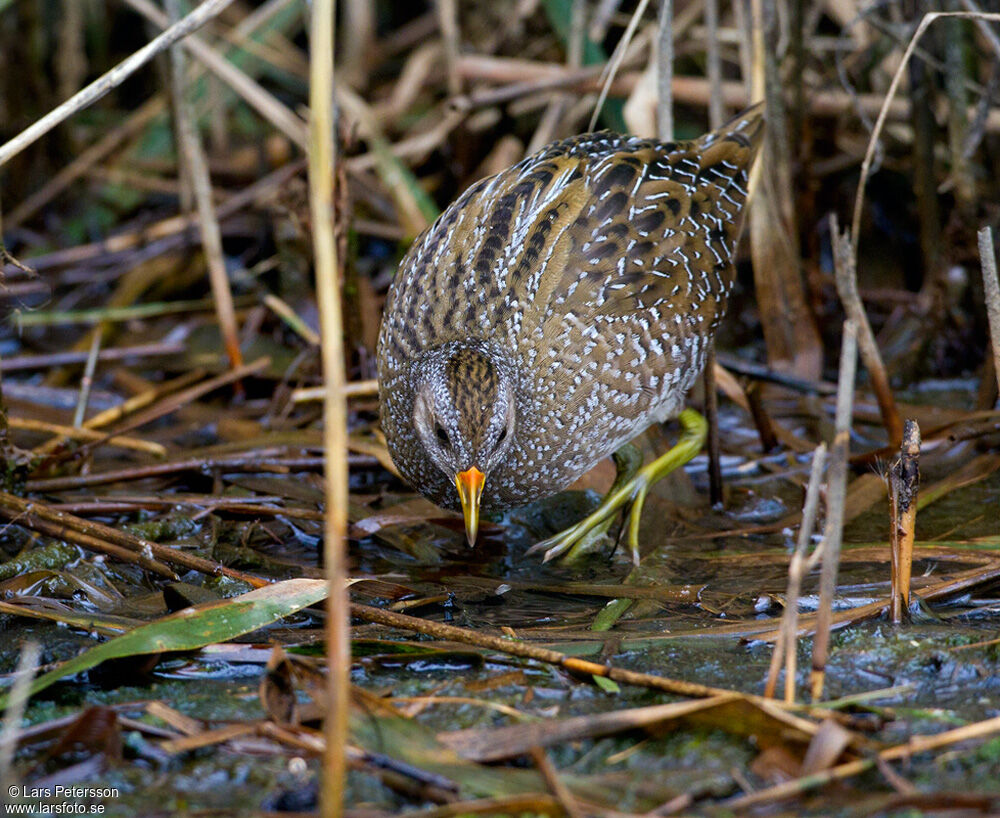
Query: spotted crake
{"points": [[557, 309]]}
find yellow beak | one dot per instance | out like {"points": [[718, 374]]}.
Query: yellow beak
{"points": [[470, 490]]}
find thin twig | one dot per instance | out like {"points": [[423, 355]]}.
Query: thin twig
{"points": [[321, 207], [836, 491], [113, 78], [81, 432], [135, 123]]}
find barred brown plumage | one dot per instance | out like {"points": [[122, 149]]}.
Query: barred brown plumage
{"points": [[557, 309]]}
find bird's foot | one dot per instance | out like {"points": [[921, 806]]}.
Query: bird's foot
{"points": [[629, 491]]}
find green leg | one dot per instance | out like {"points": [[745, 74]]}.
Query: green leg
{"points": [[628, 462], [631, 492]]}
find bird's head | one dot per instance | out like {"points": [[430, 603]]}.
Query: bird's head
{"points": [[465, 414]]}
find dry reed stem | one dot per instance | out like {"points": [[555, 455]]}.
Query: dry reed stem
{"points": [[170, 228], [847, 287], [82, 163], [113, 78], [889, 97], [991, 294], [261, 100], [904, 480], [179, 399], [836, 491], [322, 172], [194, 168], [526, 804], [786, 645]]}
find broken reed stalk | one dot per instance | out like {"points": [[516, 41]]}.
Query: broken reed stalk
{"points": [[991, 293], [195, 167], [113, 78], [116, 413], [904, 480], [761, 419], [321, 207], [847, 287], [785, 647], [836, 492]]}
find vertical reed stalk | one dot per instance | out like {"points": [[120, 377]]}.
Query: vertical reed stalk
{"points": [[836, 494], [321, 176]]}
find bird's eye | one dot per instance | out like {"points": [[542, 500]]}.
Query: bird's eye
{"points": [[442, 435], [503, 435]]}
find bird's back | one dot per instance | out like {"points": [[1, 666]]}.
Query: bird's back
{"points": [[601, 265]]}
